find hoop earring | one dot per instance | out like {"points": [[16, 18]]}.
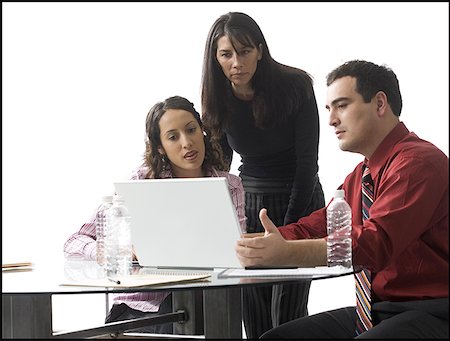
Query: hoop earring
{"points": [[164, 162]]}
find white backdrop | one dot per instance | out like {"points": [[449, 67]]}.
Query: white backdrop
{"points": [[79, 79]]}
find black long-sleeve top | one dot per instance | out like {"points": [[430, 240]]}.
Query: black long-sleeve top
{"points": [[288, 150]]}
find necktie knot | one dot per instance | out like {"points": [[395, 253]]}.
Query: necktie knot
{"points": [[367, 177], [367, 192]]}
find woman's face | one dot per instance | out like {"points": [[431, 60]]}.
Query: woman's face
{"points": [[239, 65], [182, 141]]}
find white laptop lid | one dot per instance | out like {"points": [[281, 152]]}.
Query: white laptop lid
{"points": [[187, 223]]}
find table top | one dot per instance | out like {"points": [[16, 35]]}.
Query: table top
{"points": [[47, 278]]}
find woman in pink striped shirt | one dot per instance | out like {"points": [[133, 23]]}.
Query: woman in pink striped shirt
{"points": [[177, 146]]}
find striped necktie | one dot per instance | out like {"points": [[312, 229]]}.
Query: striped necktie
{"points": [[362, 279]]}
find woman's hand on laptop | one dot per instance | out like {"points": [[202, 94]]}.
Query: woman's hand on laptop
{"points": [[133, 255]]}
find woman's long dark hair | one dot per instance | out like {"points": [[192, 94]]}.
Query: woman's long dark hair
{"points": [[276, 85], [154, 160]]}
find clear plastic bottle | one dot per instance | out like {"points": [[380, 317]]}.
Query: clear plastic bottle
{"points": [[118, 245], [100, 223], [339, 228]]}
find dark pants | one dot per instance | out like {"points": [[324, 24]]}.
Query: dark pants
{"points": [[427, 319], [269, 306], [122, 312]]}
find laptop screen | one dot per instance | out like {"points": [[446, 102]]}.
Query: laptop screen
{"points": [[182, 223]]}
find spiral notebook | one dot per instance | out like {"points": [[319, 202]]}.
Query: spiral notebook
{"points": [[182, 223], [16, 267], [146, 278]]}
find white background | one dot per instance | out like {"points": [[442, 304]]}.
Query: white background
{"points": [[79, 79]]}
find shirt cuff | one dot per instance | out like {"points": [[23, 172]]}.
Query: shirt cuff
{"points": [[90, 251]]}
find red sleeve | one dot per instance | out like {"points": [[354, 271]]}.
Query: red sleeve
{"points": [[312, 226]]}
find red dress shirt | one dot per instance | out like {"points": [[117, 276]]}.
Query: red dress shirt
{"points": [[405, 240]]}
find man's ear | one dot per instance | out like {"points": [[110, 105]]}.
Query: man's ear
{"points": [[381, 101]]}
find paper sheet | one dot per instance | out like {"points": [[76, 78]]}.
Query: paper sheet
{"points": [[314, 271]]}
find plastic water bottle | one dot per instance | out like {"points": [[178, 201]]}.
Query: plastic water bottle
{"points": [[339, 228], [118, 239], [100, 223]]}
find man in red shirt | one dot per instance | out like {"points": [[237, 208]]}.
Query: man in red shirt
{"points": [[403, 242]]}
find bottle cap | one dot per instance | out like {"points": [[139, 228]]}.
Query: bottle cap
{"points": [[107, 198], [339, 193], [118, 197]]}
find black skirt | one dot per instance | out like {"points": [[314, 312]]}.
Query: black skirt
{"points": [[269, 306], [274, 195]]}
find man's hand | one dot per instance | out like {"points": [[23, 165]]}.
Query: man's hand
{"points": [[271, 249], [265, 249], [252, 235]]}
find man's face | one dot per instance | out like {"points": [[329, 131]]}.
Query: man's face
{"points": [[353, 120]]}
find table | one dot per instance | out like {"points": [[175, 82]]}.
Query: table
{"points": [[211, 308]]}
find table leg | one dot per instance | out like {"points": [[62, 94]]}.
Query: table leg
{"points": [[223, 313], [191, 302], [27, 316]]}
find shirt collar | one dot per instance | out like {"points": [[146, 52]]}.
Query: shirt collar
{"points": [[382, 153]]}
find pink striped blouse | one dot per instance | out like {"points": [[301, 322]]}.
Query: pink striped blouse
{"points": [[82, 243]]}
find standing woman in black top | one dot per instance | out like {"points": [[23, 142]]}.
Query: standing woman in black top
{"points": [[267, 113]]}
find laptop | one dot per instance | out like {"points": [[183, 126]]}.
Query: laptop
{"points": [[182, 222]]}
